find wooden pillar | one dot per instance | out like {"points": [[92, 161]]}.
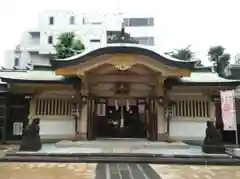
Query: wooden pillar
{"points": [[90, 120], [155, 120], [78, 102], [152, 119], [148, 119]]}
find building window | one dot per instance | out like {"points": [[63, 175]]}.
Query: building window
{"points": [[50, 39], [191, 108], [53, 107], [51, 20], [96, 23], [91, 20], [95, 40], [145, 40], [139, 21], [16, 62], [72, 20]]}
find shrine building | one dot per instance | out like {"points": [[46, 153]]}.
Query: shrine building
{"points": [[114, 91]]}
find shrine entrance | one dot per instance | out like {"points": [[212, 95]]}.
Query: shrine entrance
{"points": [[124, 85], [121, 120]]}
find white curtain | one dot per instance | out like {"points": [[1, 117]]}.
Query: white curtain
{"points": [[127, 106], [116, 104]]}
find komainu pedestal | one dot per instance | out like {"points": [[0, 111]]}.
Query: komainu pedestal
{"points": [[31, 139], [213, 140]]}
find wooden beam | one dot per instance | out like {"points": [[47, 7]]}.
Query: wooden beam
{"points": [[122, 78], [179, 72], [66, 71], [117, 96], [123, 74], [41, 86], [149, 84], [131, 90]]}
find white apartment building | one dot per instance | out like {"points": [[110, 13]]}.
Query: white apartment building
{"points": [[36, 45]]}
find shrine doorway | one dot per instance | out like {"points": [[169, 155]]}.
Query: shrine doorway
{"points": [[121, 121]]}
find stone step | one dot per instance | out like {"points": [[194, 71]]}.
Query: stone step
{"points": [[235, 152], [120, 144]]}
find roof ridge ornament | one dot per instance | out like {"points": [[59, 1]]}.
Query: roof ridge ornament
{"points": [[123, 37]]}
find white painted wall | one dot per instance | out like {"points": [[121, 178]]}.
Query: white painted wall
{"points": [[187, 129], [82, 127], [57, 127], [24, 59], [54, 127], [9, 56], [162, 124], [38, 59]]}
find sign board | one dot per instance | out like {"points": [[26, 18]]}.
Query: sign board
{"points": [[237, 92], [228, 109], [101, 109], [17, 128]]}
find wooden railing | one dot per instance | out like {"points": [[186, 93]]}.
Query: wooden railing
{"points": [[53, 107], [191, 108]]}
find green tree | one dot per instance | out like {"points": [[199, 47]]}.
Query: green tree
{"points": [[237, 59], [68, 45], [219, 58], [184, 54]]}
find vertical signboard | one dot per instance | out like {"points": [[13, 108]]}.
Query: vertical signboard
{"points": [[228, 109]]}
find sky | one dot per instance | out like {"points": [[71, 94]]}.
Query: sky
{"points": [[179, 23]]}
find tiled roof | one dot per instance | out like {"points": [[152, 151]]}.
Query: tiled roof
{"points": [[31, 75], [206, 77], [50, 76]]}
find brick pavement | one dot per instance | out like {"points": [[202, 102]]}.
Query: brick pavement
{"points": [[46, 171], [114, 171], [197, 172]]}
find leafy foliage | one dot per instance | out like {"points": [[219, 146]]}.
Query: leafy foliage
{"points": [[184, 54], [215, 52], [237, 59], [68, 45], [220, 59]]}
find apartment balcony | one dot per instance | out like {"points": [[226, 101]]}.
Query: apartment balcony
{"points": [[32, 47], [33, 42]]}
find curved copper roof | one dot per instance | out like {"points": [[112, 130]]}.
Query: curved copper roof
{"points": [[126, 49]]}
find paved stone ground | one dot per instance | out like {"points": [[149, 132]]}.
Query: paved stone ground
{"points": [[197, 172], [5, 148], [125, 171], [115, 171], [124, 147], [46, 171]]}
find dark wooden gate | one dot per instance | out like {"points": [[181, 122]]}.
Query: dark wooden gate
{"points": [[3, 114], [152, 119], [101, 119], [90, 119], [17, 116]]}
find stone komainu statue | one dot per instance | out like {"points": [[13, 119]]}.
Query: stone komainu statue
{"points": [[31, 139], [213, 140]]}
